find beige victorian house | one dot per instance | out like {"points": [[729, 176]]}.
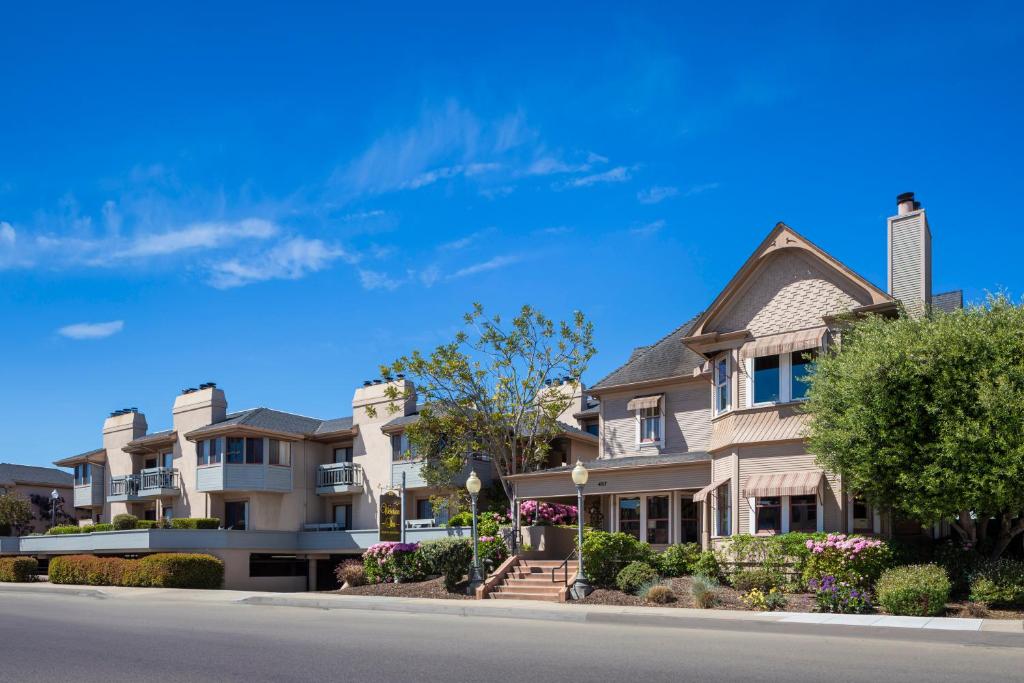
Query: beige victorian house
{"points": [[701, 432]]}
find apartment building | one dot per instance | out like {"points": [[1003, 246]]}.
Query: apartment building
{"points": [[701, 432], [35, 485]]}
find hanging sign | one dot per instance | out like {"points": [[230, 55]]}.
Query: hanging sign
{"points": [[390, 517]]}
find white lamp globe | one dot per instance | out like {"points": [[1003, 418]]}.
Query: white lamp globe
{"points": [[473, 483], [580, 474]]}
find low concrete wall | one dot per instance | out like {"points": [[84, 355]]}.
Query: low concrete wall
{"points": [[548, 542], [9, 544]]}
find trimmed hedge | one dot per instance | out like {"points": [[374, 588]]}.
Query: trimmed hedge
{"points": [[635, 576], [449, 557], [163, 570], [18, 569], [62, 529], [195, 523], [125, 522], [916, 590]]}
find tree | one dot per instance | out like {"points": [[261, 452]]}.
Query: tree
{"points": [[926, 417], [15, 514], [489, 391]]}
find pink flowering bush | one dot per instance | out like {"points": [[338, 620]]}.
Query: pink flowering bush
{"points": [[855, 560], [392, 561], [493, 552], [547, 513]]}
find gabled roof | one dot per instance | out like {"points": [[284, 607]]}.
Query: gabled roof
{"points": [[667, 358], [89, 456], [262, 420], [148, 442], [338, 424], [31, 475]]}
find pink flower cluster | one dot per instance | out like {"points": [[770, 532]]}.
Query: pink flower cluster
{"points": [[547, 513], [382, 551], [849, 546]]}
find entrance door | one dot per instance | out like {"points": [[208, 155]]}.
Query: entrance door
{"points": [[343, 454], [236, 515], [343, 515]]}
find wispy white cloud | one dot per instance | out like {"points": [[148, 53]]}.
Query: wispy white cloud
{"points": [[91, 330], [429, 276], [8, 236], [619, 174], [466, 241], [483, 267], [373, 279], [554, 230], [648, 229], [197, 236], [698, 189], [656, 194], [290, 260]]}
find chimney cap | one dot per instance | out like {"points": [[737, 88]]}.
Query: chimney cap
{"points": [[904, 197]]}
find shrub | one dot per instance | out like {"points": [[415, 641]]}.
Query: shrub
{"points": [[659, 594], [678, 560], [763, 580], [493, 552], [707, 565], [605, 554], [839, 597], [917, 590], [961, 564], [124, 522], [18, 569], [768, 601], [165, 570], [63, 529], [392, 561], [350, 573], [461, 519], [703, 591], [851, 559], [148, 524], [635, 576], [195, 523], [999, 583], [98, 528], [449, 557]]}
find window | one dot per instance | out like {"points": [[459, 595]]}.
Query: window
{"points": [[236, 515], [689, 522], [343, 516], [202, 454], [766, 379], [723, 392], [262, 565], [279, 453], [723, 511], [83, 474], [343, 454], [803, 513], [235, 450], [768, 514], [629, 516], [167, 460], [401, 449], [650, 424], [657, 520], [149, 464], [254, 451], [592, 428], [862, 515], [168, 513], [216, 451], [424, 509], [802, 364]]}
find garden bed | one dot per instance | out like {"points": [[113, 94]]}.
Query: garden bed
{"points": [[431, 588], [728, 598]]}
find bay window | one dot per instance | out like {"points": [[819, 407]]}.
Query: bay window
{"points": [[723, 511], [279, 453], [781, 378], [83, 474], [235, 450], [722, 391], [253, 451], [768, 514]]}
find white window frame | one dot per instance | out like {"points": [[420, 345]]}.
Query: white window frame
{"points": [[673, 514], [752, 517], [785, 379], [716, 530], [876, 517], [717, 386], [661, 426]]}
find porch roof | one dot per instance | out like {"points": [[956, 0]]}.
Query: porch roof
{"points": [[602, 464]]}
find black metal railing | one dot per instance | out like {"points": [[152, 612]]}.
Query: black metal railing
{"points": [[564, 568], [339, 474]]}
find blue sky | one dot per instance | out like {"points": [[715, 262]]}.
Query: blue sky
{"points": [[281, 198]]}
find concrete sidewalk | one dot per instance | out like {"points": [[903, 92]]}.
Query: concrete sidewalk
{"points": [[645, 616]]}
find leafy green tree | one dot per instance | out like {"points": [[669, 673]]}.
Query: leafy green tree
{"points": [[15, 514], [926, 417], [488, 391]]}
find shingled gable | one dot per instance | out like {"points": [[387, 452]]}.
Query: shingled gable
{"points": [[782, 237]]}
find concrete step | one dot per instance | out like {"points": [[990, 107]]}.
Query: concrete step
{"points": [[515, 596], [528, 590], [534, 580]]}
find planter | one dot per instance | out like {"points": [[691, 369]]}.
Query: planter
{"points": [[549, 542]]}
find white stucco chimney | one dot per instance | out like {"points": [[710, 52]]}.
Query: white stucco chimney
{"points": [[910, 256]]}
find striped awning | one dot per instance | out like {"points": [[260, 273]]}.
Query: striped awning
{"points": [[701, 495], [644, 402], [787, 342], [803, 483]]}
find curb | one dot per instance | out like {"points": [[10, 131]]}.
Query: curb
{"points": [[50, 590]]}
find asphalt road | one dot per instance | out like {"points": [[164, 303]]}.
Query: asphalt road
{"points": [[46, 637]]}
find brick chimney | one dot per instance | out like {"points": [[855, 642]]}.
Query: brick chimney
{"points": [[910, 256]]}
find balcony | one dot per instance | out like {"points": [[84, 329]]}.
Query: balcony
{"points": [[414, 477], [89, 495], [238, 477], [339, 477], [156, 482]]}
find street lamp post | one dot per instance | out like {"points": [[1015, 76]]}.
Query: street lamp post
{"points": [[475, 578], [53, 507], [581, 588]]}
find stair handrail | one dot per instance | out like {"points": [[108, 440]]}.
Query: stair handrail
{"points": [[565, 567]]}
